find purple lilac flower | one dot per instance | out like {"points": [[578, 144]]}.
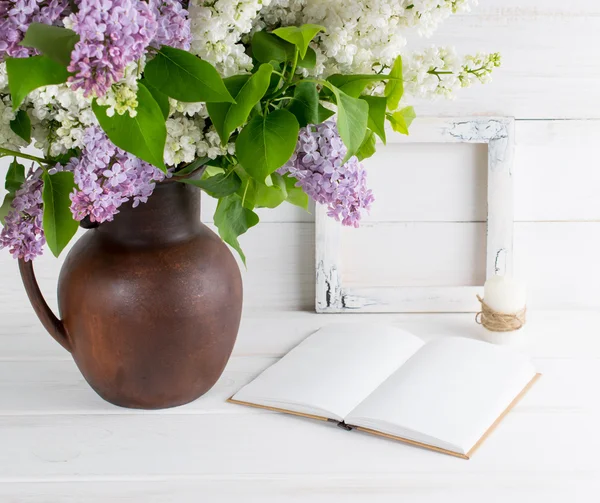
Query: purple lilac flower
{"points": [[107, 177], [317, 165], [173, 24], [22, 233], [113, 33], [17, 15]]}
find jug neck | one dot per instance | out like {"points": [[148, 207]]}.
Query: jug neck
{"points": [[171, 214]]}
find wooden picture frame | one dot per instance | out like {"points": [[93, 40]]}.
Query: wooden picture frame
{"points": [[331, 294]]}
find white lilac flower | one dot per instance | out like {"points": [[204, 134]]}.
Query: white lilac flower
{"points": [[478, 68], [8, 139], [432, 73], [426, 15], [121, 97], [59, 118], [217, 28], [3, 78], [189, 109], [362, 35], [183, 137]]}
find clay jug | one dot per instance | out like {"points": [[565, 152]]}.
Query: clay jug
{"points": [[150, 303]]}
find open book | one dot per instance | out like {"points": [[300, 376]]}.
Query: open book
{"points": [[445, 395]]}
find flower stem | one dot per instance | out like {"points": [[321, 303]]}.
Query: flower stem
{"points": [[15, 153], [294, 65]]}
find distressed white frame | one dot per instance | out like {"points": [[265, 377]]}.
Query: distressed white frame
{"points": [[331, 294]]}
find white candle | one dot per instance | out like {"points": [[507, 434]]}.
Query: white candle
{"points": [[505, 294]]}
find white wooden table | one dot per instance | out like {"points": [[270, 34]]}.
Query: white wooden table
{"points": [[59, 442]]}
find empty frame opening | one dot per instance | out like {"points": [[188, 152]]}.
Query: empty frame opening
{"points": [[427, 226]]}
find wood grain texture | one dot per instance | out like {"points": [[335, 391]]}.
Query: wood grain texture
{"points": [[548, 68], [274, 333], [62, 443], [56, 388], [125, 446], [357, 488]]}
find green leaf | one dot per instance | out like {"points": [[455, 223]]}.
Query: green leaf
{"points": [[144, 135], [354, 85], [233, 220], [309, 61], [53, 41], [267, 142], [276, 79], [377, 108], [59, 226], [21, 125], [394, 89], [352, 119], [6, 207], [185, 77], [27, 74], [161, 98], [305, 105], [300, 36], [65, 157], [402, 119], [295, 195], [267, 47], [270, 196], [193, 166], [247, 91], [217, 186], [324, 114], [258, 194], [15, 176], [367, 149]]}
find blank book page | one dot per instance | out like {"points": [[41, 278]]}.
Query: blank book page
{"points": [[333, 370], [452, 389]]}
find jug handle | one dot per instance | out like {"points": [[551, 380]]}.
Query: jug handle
{"points": [[51, 323]]}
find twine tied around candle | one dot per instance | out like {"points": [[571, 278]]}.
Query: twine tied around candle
{"points": [[495, 321]]}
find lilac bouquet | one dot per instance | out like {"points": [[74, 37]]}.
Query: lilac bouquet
{"points": [[257, 102]]}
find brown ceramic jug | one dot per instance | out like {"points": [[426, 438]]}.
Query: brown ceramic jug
{"points": [[150, 303]]}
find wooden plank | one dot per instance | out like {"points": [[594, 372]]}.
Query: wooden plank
{"points": [[358, 488], [123, 446], [427, 183], [33, 388], [556, 259], [556, 184], [539, 72], [533, 8], [448, 182], [414, 254], [408, 299], [420, 488], [280, 270], [559, 262], [328, 254], [274, 333]]}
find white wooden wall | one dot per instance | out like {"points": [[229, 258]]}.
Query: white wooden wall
{"points": [[432, 198]]}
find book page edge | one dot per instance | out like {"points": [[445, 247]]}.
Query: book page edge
{"points": [[411, 442], [275, 409], [406, 440], [511, 405]]}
